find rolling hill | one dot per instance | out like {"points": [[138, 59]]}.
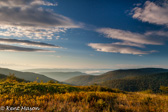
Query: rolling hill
{"points": [[113, 75], [54, 97], [61, 76], [139, 83], [29, 76]]}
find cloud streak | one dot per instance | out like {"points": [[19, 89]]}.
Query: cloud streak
{"points": [[128, 36], [157, 33], [116, 48], [129, 42], [152, 13], [11, 48], [27, 43]]}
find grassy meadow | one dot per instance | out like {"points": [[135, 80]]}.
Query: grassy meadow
{"points": [[54, 97]]}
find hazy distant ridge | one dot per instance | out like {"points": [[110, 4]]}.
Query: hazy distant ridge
{"points": [[62, 76]]}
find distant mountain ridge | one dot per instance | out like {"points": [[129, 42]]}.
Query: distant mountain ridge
{"points": [[113, 75], [29, 76], [87, 71]]}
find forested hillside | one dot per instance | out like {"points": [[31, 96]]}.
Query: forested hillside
{"points": [[113, 75], [139, 83]]}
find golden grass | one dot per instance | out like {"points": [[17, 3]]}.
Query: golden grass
{"points": [[64, 98], [90, 102]]}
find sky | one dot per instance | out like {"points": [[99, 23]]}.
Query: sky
{"points": [[81, 34]]}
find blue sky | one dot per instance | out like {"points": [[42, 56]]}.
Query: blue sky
{"points": [[96, 34]]}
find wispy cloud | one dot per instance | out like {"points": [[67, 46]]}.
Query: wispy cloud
{"points": [[128, 36], [11, 48], [129, 42], [134, 43], [157, 33], [27, 18], [116, 48], [27, 43], [152, 13]]}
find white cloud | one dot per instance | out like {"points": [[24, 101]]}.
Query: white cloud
{"points": [[152, 13], [128, 36], [30, 32], [27, 18], [116, 48], [129, 42]]}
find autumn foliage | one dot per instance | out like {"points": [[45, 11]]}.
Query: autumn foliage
{"points": [[53, 97]]}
